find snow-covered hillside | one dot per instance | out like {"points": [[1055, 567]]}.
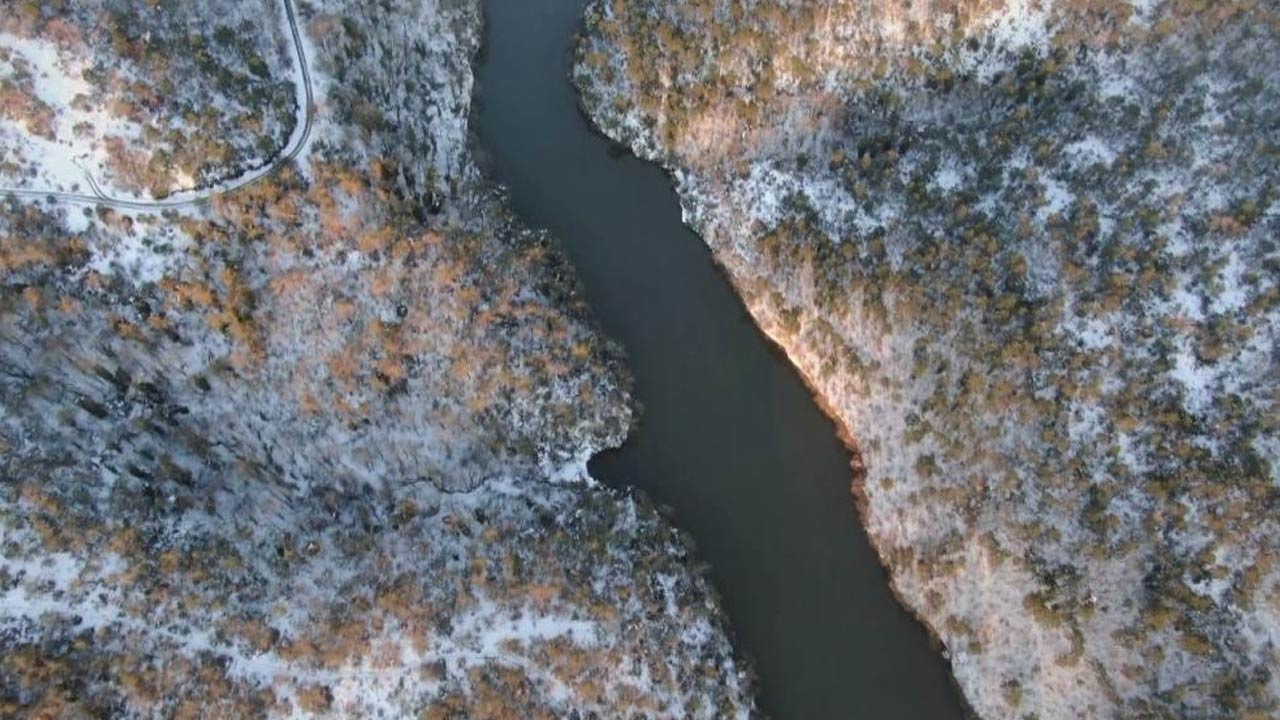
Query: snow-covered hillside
{"points": [[1026, 251], [317, 446]]}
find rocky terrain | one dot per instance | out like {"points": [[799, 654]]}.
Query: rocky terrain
{"points": [[1025, 252], [314, 446]]}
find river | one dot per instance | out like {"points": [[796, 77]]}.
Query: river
{"points": [[730, 437]]}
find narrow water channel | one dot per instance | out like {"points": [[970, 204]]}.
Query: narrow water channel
{"points": [[730, 438]]}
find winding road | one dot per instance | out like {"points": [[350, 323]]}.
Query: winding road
{"points": [[192, 198]]}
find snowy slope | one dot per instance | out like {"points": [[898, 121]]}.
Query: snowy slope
{"points": [[316, 447], [1026, 253]]}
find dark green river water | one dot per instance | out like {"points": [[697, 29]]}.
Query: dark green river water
{"points": [[730, 438]]}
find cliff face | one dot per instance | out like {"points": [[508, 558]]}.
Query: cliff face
{"points": [[312, 446], [1026, 254]]}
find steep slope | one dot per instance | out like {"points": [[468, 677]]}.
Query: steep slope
{"points": [[1025, 252]]}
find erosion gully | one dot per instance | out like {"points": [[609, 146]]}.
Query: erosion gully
{"points": [[730, 437]]}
